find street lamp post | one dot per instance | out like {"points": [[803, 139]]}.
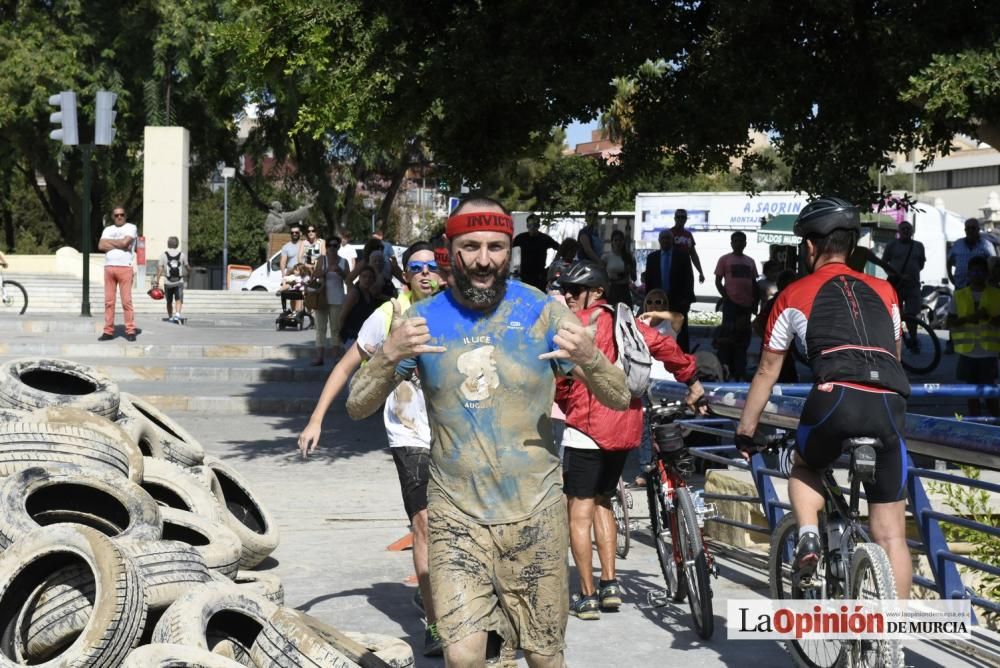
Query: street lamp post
{"points": [[227, 173]]}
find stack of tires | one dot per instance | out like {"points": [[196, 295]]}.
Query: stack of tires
{"points": [[123, 544]]}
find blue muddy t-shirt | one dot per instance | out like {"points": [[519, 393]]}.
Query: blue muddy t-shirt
{"points": [[489, 399]]}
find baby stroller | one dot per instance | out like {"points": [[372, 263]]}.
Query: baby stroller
{"points": [[292, 319]]}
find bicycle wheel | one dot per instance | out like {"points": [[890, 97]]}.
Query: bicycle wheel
{"points": [[921, 347], [619, 506], [661, 523], [695, 565], [871, 579], [14, 298], [810, 653]]}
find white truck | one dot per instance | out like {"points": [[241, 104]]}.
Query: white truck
{"points": [[766, 219]]}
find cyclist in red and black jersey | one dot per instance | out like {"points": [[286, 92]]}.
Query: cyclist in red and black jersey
{"points": [[850, 325]]}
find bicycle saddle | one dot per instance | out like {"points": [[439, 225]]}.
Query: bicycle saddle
{"points": [[862, 449]]}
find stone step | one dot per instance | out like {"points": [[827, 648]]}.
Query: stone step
{"points": [[121, 349], [268, 398], [234, 372]]}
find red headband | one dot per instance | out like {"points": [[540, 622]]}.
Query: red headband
{"points": [[463, 223]]}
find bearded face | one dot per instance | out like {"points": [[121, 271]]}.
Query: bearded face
{"points": [[481, 267]]}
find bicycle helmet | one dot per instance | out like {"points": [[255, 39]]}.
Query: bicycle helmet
{"points": [[155, 293], [826, 214], [586, 273]]}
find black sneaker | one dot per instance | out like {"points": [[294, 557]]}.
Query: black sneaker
{"points": [[585, 607], [432, 641], [105, 337], [611, 596], [130, 337], [806, 559]]}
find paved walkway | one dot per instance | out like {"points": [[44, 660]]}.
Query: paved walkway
{"points": [[338, 510]]}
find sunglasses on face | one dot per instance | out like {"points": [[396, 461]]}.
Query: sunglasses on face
{"points": [[655, 302], [417, 267], [118, 215], [572, 290], [295, 234]]}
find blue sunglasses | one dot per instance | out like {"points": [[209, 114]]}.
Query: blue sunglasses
{"points": [[417, 267]]}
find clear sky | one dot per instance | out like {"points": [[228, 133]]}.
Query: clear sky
{"points": [[579, 132]]}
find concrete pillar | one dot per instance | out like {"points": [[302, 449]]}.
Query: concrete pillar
{"points": [[166, 154]]}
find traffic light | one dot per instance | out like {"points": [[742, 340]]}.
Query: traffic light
{"points": [[65, 118], [104, 121]]}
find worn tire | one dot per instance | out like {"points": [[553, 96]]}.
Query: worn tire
{"points": [[11, 415], [77, 417], [244, 514], [296, 639], [214, 614], [169, 568], [27, 444], [164, 655], [217, 544], [207, 478], [173, 486], [119, 610], [152, 425], [66, 493], [66, 600], [265, 583], [31, 383]]}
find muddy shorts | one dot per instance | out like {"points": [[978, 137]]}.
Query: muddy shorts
{"points": [[412, 466], [509, 578]]}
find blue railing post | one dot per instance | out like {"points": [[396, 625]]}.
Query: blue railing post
{"points": [[768, 497], [949, 583]]}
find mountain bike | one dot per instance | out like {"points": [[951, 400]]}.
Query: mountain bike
{"points": [[13, 296], [851, 566], [621, 504], [677, 516]]}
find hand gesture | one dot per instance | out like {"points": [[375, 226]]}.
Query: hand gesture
{"points": [[408, 337], [695, 398], [575, 341], [309, 439]]}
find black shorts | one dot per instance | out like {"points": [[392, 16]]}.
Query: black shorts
{"points": [[174, 292], [976, 370], [590, 473], [833, 413], [412, 466]]}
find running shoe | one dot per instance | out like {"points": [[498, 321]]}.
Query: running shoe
{"points": [[585, 607], [611, 596], [432, 641], [807, 554]]}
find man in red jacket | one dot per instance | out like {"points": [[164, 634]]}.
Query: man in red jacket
{"points": [[597, 439]]}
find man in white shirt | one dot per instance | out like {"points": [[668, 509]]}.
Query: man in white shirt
{"points": [[118, 245]]}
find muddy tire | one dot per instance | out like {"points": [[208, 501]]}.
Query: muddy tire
{"points": [[27, 384], [171, 656], [27, 444], [265, 583], [215, 615], [119, 607], [38, 496], [169, 568], [244, 514], [11, 415], [217, 544], [153, 426], [296, 639], [173, 486], [77, 417]]}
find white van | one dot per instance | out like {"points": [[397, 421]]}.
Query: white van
{"points": [[267, 277]]}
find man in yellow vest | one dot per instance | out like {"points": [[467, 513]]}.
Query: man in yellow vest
{"points": [[974, 321]]}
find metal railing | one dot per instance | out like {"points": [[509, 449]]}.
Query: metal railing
{"points": [[941, 438]]}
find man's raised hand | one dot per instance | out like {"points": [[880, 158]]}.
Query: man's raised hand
{"points": [[575, 341], [407, 336]]}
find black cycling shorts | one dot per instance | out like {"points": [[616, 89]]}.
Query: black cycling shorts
{"points": [[589, 473], [413, 468], [834, 413]]}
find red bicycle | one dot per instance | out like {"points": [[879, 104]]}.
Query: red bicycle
{"points": [[677, 516]]}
